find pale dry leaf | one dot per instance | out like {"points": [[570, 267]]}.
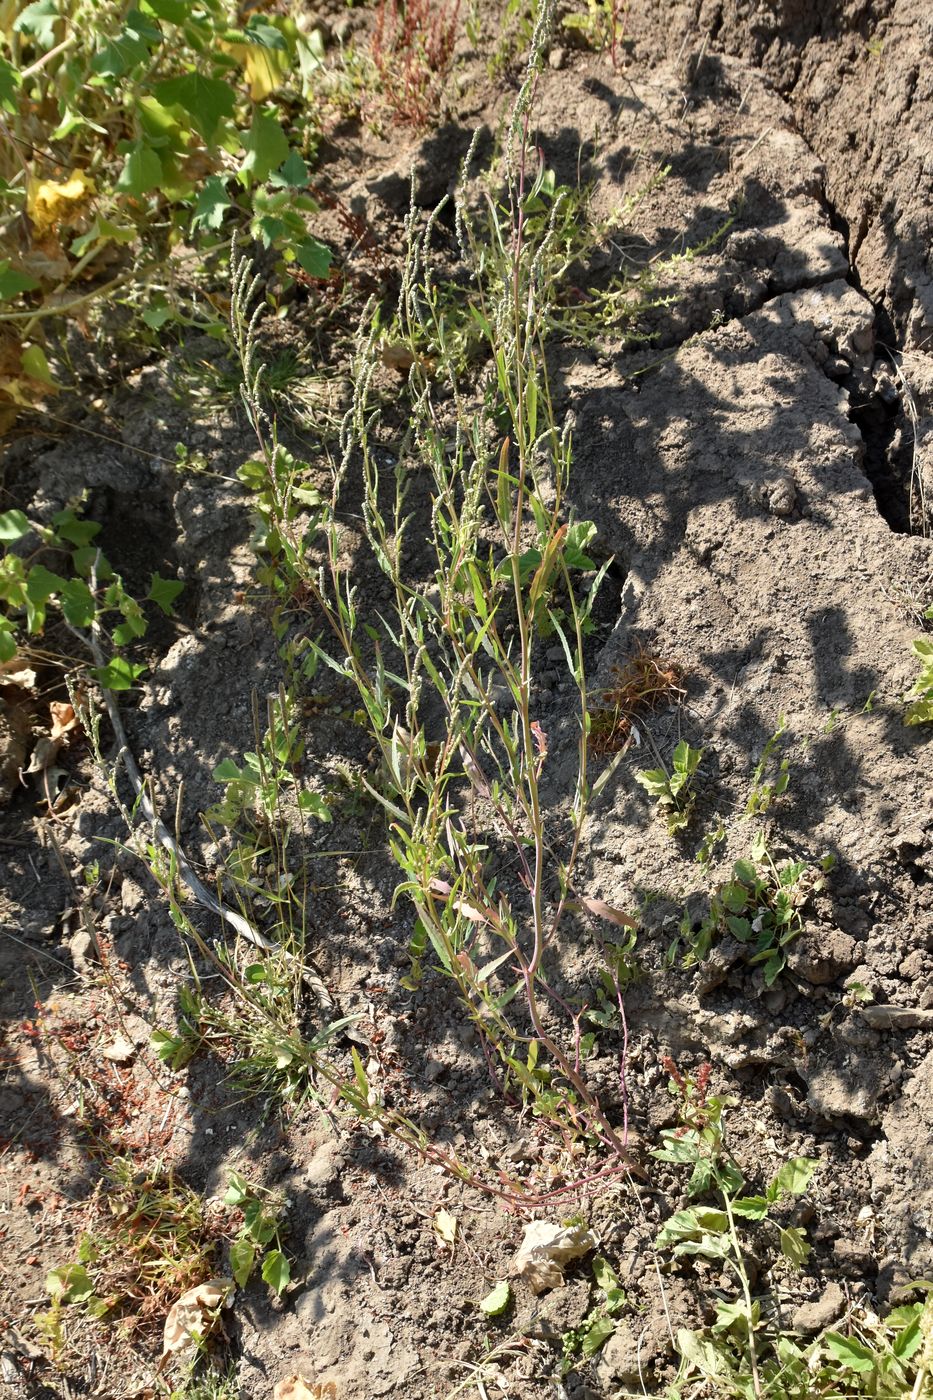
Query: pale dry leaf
{"points": [[602, 910], [445, 1226], [546, 1248], [44, 754], [298, 1388], [120, 1051], [17, 672], [194, 1314], [63, 718]]}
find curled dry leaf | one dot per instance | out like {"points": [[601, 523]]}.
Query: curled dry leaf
{"points": [[195, 1314], [445, 1226], [546, 1248], [64, 722], [602, 910], [298, 1388]]}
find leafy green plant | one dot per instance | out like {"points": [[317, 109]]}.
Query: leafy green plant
{"points": [[259, 1236], [151, 1238], [761, 906], [176, 1048], [83, 600], [598, 25], [267, 774], [919, 697], [673, 791], [771, 776], [544, 566], [599, 1323], [737, 1347], [168, 117]]}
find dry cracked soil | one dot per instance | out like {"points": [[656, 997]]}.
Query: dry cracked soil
{"points": [[762, 473]]}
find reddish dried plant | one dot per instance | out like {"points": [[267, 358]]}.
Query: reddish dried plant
{"points": [[413, 49], [644, 683]]}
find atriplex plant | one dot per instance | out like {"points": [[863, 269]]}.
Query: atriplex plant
{"points": [[920, 694], [673, 791], [491, 904]]}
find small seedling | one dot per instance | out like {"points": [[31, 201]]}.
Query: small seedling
{"points": [[260, 1235], [673, 791], [737, 1344], [599, 1323], [766, 788], [919, 697], [761, 906]]}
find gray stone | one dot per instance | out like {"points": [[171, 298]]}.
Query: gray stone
{"points": [[821, 955], [619, 1358], [813, 1317]]}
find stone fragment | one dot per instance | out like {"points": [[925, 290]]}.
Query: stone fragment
{"points": [[813, 1317], [897, 1018], [821, 955], [619, 1358]]}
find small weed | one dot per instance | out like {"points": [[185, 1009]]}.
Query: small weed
{"points": [[91, 592], [151, 1237], [768, 781], [747, 1353], [643, 683], [737, 1344], [599, 1323], [761, 906], [919, 698], [259, 1236], [599, 26], [673, 791], [412, 49]]}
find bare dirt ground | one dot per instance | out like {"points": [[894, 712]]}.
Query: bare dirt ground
{"points": [[762, 473]]}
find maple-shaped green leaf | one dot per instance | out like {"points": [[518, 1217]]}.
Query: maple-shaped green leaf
{"points": [[275, 1270], [131, 46], [142, 170], [77, 602], [38, 21], [266, 147], [13, 525], [206, 100], [118, 674], [163, 592], [314, 256], [211, 204]]}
